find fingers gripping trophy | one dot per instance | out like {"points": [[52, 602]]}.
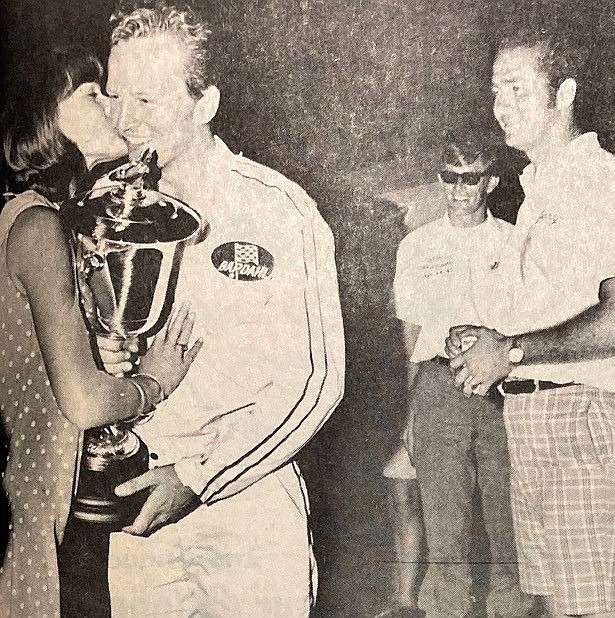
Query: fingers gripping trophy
{"points": [[128, 240]]}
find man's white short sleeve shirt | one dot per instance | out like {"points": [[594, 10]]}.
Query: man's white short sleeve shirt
{"points": [[561, 248], [436, 266]]}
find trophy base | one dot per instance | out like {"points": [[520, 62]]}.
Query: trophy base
{"points": [[96, 501]]}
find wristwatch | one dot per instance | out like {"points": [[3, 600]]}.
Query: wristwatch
{"points": [[515, 353]]}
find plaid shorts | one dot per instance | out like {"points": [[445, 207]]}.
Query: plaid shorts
{"points": [[561, 445]]}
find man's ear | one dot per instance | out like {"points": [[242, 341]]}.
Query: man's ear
{"points": [[566, 94], [494, 181], [207, 106]]}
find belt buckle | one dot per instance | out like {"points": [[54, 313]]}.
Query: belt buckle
{"points": [[535, 382]]}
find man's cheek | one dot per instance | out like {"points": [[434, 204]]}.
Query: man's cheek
{"points": [[163, 123], [150, 117]]}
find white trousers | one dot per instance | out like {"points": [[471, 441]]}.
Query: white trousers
{"points": [[246, 556]]}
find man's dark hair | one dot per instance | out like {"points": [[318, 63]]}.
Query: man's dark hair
{"points": [[460, 149], [563, 54]]}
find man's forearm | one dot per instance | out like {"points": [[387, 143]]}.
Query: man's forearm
{"points": [[589, 335]]}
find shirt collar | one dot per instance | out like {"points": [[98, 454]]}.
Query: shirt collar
{"points": [[222, 150], [576, 152], [484, 224]]}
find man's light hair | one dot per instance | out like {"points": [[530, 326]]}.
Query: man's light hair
{"points": [[134, 19]]}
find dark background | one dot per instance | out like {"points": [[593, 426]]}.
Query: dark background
{"points": [[349, 98]]}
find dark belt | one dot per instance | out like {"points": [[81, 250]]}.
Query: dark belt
{"points": [[524, 387]]}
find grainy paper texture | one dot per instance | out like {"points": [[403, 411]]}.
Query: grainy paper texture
{"points": [[348, 98]]}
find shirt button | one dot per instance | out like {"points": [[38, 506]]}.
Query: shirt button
{"points": [[153, 456]]}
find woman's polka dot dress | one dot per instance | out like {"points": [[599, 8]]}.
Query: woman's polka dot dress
{"points": [[43, 450]]}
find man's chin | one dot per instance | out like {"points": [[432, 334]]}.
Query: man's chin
{"points": [[514, 137], [136, 150], [511, 140], [135, 153]]}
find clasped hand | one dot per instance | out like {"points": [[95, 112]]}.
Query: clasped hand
{"points": [[481, 365]]}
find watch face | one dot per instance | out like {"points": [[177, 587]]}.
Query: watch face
{"points": [[515, 355]]}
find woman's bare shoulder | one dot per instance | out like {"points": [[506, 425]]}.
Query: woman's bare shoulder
{"points": [[36, 235]]}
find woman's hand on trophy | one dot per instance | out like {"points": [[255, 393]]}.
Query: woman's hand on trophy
{"points": [[170, 355], [117, 355]]}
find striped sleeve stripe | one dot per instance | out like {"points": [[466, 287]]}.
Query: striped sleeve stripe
{"points": [[312, 391]]}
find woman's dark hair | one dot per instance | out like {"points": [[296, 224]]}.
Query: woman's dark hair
{"points": [[39, 156]]}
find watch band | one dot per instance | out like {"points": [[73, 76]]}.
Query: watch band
{"points": [[515, 352]]}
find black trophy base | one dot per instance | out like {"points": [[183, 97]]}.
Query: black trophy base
{"points": [[96, 501]]}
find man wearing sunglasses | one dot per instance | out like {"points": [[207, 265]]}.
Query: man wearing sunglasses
{"points": [[555, 283], [455, 442]]}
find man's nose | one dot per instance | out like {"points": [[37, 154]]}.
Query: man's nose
{"points": [[501, 103], [105, 103], [459, 187], [121, 115]]}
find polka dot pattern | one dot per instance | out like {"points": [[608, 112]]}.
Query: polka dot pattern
{"points": [[41, 463]]}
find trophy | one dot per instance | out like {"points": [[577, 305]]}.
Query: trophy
{"points": [[128, 241]]}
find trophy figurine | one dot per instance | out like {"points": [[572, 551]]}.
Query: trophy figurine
{"points": [[128, 240]]}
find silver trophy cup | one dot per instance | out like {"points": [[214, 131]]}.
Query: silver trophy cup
{"points": [[128, 242]]}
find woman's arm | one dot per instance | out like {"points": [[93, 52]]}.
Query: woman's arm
{"points": [[38, 256]]}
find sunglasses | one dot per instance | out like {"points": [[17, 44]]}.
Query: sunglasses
{"points": [[467, 178]]}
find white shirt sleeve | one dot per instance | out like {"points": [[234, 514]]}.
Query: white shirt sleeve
{"points": [[408, 306]]}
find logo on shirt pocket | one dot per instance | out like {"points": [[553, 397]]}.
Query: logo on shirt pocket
{"points": [[242, 261], [436, 266]]}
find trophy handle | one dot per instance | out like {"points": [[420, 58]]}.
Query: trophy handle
{"points": [[86, 263], [92, 261]]}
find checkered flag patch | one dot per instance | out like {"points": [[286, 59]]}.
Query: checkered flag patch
{"points": [[246, 254]]}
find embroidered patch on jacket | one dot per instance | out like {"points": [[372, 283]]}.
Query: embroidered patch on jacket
{"points": [[548, 217], [242, 261]]}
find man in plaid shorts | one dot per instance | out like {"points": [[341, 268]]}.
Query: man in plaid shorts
{"points": [[555, 287]]}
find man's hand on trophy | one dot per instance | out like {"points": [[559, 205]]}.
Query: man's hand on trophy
{"points": [[117, 354], [169, 357], [168, 502]]}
